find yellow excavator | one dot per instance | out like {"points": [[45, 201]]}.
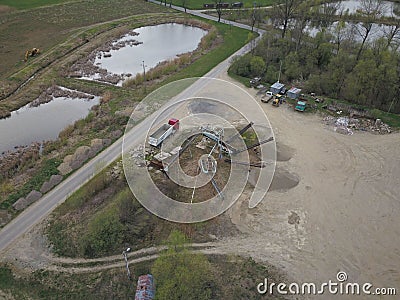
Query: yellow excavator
{"points": [[31, 53]]}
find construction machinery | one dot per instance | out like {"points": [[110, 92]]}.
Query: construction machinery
{"points": [[163, 132], [31, 53], [277, 100]]}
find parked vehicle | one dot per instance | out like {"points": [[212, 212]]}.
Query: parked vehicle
{"points": [[300, 106], [268, 96], [237, 5], [255, 81], [163, 132], [278, 100]]}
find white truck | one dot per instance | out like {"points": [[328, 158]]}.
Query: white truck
{"points": [[163, 132], [267, 97]]}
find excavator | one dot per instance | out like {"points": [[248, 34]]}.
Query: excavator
{"points": [[31, 53]]}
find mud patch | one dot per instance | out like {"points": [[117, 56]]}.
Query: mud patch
{"points": [[283, 180], [284, 152], [5, 9], [294, 219]]}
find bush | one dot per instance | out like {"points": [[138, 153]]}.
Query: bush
{"points": [[180, 274], [104, 233]]}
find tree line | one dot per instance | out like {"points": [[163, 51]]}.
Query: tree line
{"points": [[340, 60]]}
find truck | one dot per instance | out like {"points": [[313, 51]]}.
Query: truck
{"points": [[268, 96], [145, 289], [163, 132], [300, 106]]}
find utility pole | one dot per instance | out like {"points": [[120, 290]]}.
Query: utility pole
{"points": [[144, 75], [280, 70], [124, 253]]}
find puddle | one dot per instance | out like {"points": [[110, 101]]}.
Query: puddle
{"points": [[35, 124], [284, 152], [283, 180]]}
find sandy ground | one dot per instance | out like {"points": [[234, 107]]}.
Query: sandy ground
{"points": [[342, 216]]}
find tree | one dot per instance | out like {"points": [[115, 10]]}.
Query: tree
{"points": [[218, 7], [257, 66], [327, 12], [300, 23], [285, 11], [180, 274], [370, 11], [338, 32], [184, 4], [392, 32], [292, 66]]}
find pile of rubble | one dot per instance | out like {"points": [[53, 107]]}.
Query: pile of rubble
{"points": [[12, 160], [34, 195], [83, 153], [56, 92], [347, 125]]}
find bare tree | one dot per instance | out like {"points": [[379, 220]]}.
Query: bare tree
{"points": [[392, 32], [257, 15], [184, 4], [218, 7], [253, 17], [339, 33], [300, 24], [370, 11], [284, 12], [328, 12]]}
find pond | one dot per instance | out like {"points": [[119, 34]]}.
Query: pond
{"points": [[151, 44], [352, 31], [44, 122], [353, 5]]}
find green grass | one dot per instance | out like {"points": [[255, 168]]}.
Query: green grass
{"points": [[197, 4], [26, 4], [389, 118], [243, 80], [234, 39]]}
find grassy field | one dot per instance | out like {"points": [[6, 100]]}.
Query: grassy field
{"points": [[47, 27], [196, 4], [26, 4]]}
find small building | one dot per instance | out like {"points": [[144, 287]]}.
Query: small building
{"points": [[293, 93], [277, 88]]}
